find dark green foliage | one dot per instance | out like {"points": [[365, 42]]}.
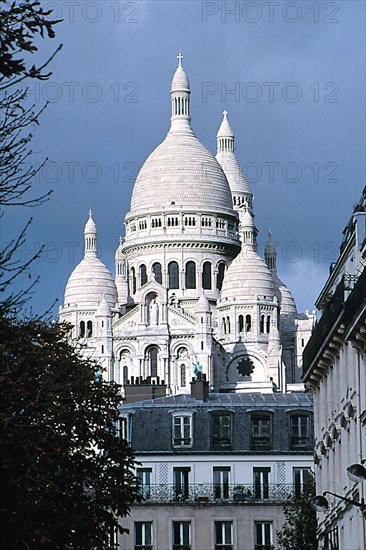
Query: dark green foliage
{"points": [[299, 531], [65, 475]]}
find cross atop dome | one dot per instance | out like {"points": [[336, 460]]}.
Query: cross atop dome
{"points": [[180, 58], [90, 214], [226, 132]]}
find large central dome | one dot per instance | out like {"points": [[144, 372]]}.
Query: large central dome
{"points": [[181, 171]]}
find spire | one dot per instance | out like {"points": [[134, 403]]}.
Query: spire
{"points": [[90, 237], [239, 187], [180, 97], [248, 231], [270, 253], [225, 136]]}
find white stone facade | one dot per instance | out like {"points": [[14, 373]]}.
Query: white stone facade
{"points": [[189, 285], [335, 370]]}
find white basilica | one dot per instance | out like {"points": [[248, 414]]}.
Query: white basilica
{"points": [[190, 287]]}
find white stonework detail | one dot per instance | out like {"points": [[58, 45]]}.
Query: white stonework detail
{"points": [[189, 286]]}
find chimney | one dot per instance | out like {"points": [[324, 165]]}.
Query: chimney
{"points": [[200, 387]]}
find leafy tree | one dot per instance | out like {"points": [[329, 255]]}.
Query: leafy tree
{"points": [[21, 23], [65, 474], [299, 531]]}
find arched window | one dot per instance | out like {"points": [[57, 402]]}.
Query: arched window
{"points": [[268, 324], [241, 323], [183, 378], [82, 329], [125, 375], [133, 280], [262, 324], [228, 324], [220, 275], [89, 329], [173, 275], [206, 276], [153, 361], [190, 275], [223, 325], [248, 323], [156, 268], [143, 275]]}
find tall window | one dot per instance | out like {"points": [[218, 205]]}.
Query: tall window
{"points": [[248, 323], [261, 431], [301, 475], [182, 431], [221, 430], [133, 280], [221, 481], [144, 478], [124, 427], [223, 535], [261, 482], [207, 276], [241, 323], [173, 275], [156, 268], [153, 361], [143, 535], [143, 275], [181, 482], [300, 430], [190, 275], [82, 329], [89, 329], [125, 375], [181, 535], [220, 275], [228, 324], [183, 376], [262, 324], [268, 324], [263, 535]]}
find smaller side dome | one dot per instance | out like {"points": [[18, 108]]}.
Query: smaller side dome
{"points": [[90, 279], [285, 298], [247, 277]]}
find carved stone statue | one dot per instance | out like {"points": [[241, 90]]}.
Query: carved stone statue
{"points": [[153, 312]]}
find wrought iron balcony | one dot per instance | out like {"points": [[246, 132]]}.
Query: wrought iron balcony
{"points": [[200, 493]]}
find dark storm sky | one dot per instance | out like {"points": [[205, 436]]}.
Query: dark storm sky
{"points": [[290, 74]]}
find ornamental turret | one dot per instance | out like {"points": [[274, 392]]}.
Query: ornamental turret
{"points": [[226, 156]]}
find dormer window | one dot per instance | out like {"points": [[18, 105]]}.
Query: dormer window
{"points": [[182, 430], [300, 431], [221, 436]]}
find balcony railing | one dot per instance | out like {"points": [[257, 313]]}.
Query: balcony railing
{"points": [[200, 493]]}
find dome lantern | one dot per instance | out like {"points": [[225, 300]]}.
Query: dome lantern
{"points": [[90, 237], [180, 97]]}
